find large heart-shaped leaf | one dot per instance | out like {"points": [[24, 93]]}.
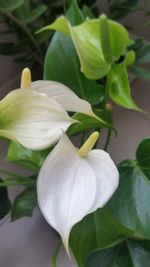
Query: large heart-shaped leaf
{"points": [[143, 156], [62, 65], [130, 204], [115, 257], [129, 254], [98, 230]]}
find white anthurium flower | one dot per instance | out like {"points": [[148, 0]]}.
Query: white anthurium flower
{"points": [[32, 118], [73, 183]]}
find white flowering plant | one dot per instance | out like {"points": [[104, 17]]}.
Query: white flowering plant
{"points": [[100, 210]]}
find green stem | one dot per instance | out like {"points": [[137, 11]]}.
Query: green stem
{"points": [[107, 140], [106, 91], [55, 255]]}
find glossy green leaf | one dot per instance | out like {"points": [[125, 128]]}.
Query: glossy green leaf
{"points": [[25, 157], [10, 5], [74, 13], [24, 203], [86, 123], [119, 88], [61, 64], [87, 41], [113, 257], [61, 54], [98, 230], [128, 254], [143, 156], [5, 204], [130, 204], [139, 253]]}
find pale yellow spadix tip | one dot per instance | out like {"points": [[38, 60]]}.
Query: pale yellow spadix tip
{"points": [[88, 145], [26, 79]]}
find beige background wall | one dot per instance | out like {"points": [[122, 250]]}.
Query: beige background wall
{"points": [[30, 241]]}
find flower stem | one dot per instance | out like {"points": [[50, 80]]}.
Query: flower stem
{"points": [[107, 140], [55, 255]]}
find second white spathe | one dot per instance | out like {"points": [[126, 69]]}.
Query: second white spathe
{"points": [[70, 186]]}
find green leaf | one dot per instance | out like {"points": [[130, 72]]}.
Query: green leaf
{"points": [[97, 230], [128, 254], [139, 253], [35, 13], [87, 41], [87, 12], [114, 257], [143, 54], [119, 88], [25, 157], [130, 58], [141, 73], [24, 203], [5, 204], [10, 5], [60, 56], [143, 156], [74, 14], [86, 123], [130, 203], [121, 8]]}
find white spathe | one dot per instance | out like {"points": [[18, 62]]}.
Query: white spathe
{"points": [[32, 119], [64, 96], [70, 186]]}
